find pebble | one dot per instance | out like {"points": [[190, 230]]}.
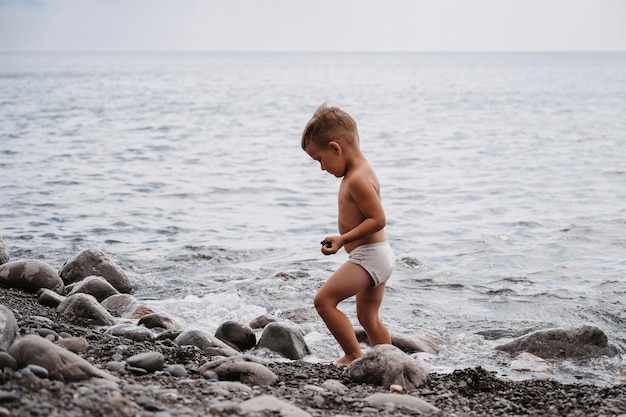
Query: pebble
{"points": [[147, 403], [335, 386], [177, 371], [38, 371], [6, 397], [149, 361], [318, 400], [115, 366], [44, 332], [395, 388], [210, 376]]}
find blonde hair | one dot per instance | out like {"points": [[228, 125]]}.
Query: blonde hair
{"points": [[327, 124]]}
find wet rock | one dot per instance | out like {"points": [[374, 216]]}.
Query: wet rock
{"points": [[285, 339], [132, 332], [158, 320], [408, 401], [84, 309], [8, 327], [176, 370], [38, 371], [237, 335], [583, 342], [74, 344], [120, 305], [61, 364], [262, 321], [206, 342], [94, 285], [48, 333], [4, 253], [386, 365], [270, 403], [140, 312], [7, 361], [527, 362], [95, 262], [30, 275], [243, 368], [168, 335], [50, 298], [421, 343], [149, 361]]}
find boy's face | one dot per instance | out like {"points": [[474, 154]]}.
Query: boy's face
{"points": [[329, 157]]}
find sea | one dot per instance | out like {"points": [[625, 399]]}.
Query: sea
{"points": [[503, 178]]}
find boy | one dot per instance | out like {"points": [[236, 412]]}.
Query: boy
{"points": [[331, 138]]}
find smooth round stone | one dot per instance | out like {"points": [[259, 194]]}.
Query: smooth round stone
{"points": [[43, 332], [39, 371], [150, 361], [115, 366], [210, 376], [176, 370]]}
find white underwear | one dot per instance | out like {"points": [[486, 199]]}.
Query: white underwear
{"points": [[376, 258]]}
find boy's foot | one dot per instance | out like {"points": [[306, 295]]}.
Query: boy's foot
{"points": [[343, 361]]}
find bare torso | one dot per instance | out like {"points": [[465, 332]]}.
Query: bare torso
{"points": [[350, 215]]}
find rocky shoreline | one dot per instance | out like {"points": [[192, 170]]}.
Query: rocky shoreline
{"points": [[302, 388]]}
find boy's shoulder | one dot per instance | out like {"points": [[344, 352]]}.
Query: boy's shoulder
{"points": [[362, 175]]}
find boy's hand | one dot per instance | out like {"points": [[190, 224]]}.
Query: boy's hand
{"points": [[331, 244]]}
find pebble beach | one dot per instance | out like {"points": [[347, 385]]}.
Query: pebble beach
{"points": [[303, 388]]}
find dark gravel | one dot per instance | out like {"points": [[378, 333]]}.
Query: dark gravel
{"points": [[467, 392]]}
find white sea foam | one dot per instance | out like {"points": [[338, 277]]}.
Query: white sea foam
{"points": [[208, 311]]}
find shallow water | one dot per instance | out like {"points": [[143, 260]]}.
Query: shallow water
{"points": [[503, 179]]}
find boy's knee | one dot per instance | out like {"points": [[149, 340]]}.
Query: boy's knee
{"points": [[319, 302], [368, 322]]}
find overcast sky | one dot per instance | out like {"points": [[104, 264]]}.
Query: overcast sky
{"points": [[313, 25]]}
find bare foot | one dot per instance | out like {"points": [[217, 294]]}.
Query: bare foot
{"points": [[344, 361]]}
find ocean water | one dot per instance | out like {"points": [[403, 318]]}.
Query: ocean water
{"points": [[503, 178]]}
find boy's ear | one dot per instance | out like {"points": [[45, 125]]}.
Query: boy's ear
{"points": [[335, 147]]}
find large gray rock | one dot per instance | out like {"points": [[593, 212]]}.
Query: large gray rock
{"points": [[158, 320], [583, 342], [97, 286], [4, 253], [284, 338], [50, 298], [237, 335], [422, 343], [380, 399], [243, 368], [273, 404], [84, 309], [95, 262], [206, 342], [132, 332], [387, 365], [120, 305], [149, 361], [8, 327], [61, 364], [30, 275], [261, 321]]}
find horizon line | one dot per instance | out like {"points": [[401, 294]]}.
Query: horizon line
{"points": [[313, 51]]}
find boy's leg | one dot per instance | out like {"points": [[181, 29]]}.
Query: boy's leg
{"points": [[350, 279], [368, 303]]}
